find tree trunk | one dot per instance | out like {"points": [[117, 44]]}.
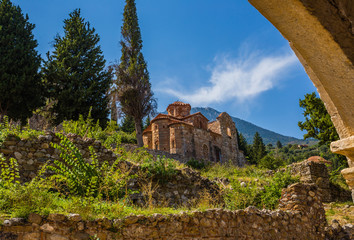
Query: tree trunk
{"points": [[114, 112], [139, 134]]}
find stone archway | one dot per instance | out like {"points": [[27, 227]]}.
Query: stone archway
{"points": [[321, 33]]}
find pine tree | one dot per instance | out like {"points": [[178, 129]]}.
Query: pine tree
{"points": [[75, 72], [258, 149], [128, 124], [21, 87], [318, 123], [133, 85]]}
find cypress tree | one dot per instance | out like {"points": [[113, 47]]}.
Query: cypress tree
{"points": [[258, 149], [133, 85], [75, 72], [21, 87]]}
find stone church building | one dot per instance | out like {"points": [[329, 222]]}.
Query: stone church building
{"points": [[193, 136]]}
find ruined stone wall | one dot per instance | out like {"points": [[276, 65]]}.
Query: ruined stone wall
{"points": [[301, 216], [317, 173], [228, 131], [31, 154]]}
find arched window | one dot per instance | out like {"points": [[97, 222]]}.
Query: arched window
{"points": [[157, 145]]}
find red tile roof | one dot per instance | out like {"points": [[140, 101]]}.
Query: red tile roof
{"points": [[318, 159]]}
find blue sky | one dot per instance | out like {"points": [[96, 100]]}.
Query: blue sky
{"points": [[221, 54]]}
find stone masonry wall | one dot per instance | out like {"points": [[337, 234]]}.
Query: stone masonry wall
{"points": [[183, 189], [301, 217], [317, 173], [32, 153]]}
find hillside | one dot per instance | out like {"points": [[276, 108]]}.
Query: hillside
{"points": [[248, 129]]}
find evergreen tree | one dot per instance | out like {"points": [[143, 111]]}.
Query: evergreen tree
{"points": [[318, 123], [75, 72], [21, 87], [242, 144], [258, 149], [133, 85], [128, 124], [279, 145], [147, 122]]}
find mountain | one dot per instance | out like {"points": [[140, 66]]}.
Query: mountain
{"points": [[248, 129]]}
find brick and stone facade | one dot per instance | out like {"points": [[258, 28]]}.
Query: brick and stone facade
{"points": [[193, 136]]}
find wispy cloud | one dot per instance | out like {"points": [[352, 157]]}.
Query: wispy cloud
{"points": [[238, 79]]}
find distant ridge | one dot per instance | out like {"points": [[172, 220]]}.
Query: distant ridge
{"points": [[248, 129]]}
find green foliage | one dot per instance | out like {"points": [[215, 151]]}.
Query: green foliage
{"points": [[271, 162], [128, 124], [318, 123], [9, 171], [257, 150], [196, 164], [133, 81], [110, 137], [7, 128], [80, 177], [75, 72], [115, 139], [21, 87], [279, 145], [84, 127], [255, 194], [90, 179], [292, 153], [232, 171], [162, 168], [147, 122], [243, 145]]}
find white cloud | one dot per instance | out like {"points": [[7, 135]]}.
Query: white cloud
{"points": [[238, 79]]}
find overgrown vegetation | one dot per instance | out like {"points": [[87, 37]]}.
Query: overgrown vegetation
{"points": [[111, 136], [15, 129], [82, 178], [257, 193], [95, 189]]}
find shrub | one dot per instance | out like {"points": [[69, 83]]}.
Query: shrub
{"points": [[254, 194], [85, 127], [115, 139], [162, 168], [83, 178], [7, 128], [270, 162], [196, 164]]}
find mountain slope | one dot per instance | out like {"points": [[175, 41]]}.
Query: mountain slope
{"points": [[248, 129]]}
